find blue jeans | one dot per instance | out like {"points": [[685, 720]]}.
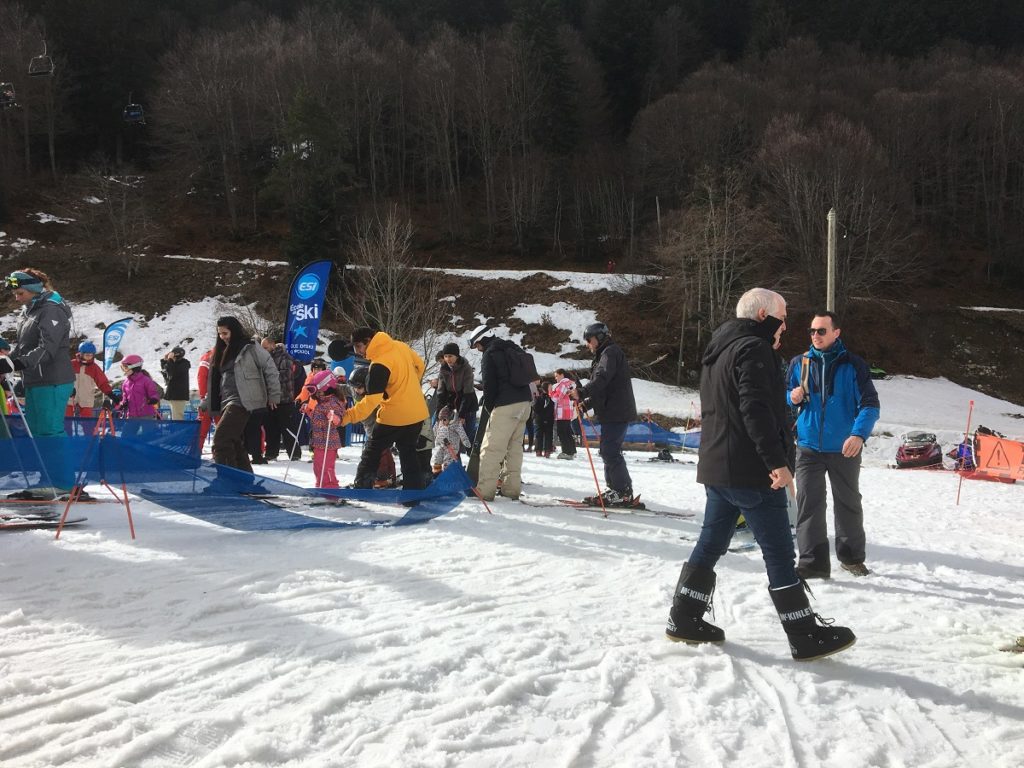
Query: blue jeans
{"points": [[768, 519]]}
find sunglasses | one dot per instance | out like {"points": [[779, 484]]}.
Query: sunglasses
{"points": [[818, 331]]}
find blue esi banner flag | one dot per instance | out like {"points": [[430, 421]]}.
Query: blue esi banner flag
{"points": [[305, 304], [112, 340]]}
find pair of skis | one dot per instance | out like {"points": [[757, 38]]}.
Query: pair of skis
{"points": [[22, 515]]}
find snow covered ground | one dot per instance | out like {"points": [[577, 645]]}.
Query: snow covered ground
{"points": [[529, 637]]}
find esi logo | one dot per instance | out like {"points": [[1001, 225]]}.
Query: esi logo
{"points": [[114, 336], [307, 286]]}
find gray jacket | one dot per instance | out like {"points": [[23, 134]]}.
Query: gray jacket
{"points": [[44, 342], [256, 378]]}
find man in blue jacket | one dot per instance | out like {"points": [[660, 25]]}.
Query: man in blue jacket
{"points": [[838, 409]]}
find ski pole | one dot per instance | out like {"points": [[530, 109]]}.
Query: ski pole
{"points": [[295, 445], [586, 446], [44, 474], [7, 432], [327, 439], [967, 432]]}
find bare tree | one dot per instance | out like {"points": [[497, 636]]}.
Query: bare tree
{"points": [[809, 170], [711, 248], [114, 215], [382, 289]]}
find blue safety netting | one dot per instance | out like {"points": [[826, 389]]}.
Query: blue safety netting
{"points": [[160, 460], [647, 432]]}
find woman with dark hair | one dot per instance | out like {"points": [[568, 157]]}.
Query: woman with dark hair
{"points": [[243, 378], [43, 355]]}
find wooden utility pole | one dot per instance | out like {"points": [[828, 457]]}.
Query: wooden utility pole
{"points": [[830, 291]]}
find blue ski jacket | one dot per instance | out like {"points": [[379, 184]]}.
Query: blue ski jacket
{"points": [[841, 399]]}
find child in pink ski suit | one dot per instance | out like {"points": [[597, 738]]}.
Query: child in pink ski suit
{"points": [[139, 395], [325, 409]]}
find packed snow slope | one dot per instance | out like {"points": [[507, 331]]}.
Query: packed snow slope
{"points": [[533, 636]]}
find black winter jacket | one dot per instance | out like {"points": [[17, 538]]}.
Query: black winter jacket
{"points": [[495, 374], [455, 388], [743, 407], [610, 389], [175, 378]]}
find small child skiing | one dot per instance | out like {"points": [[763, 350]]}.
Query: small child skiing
{"points": [[89, 377], [325, 410], [139, 394], [448, 434]]}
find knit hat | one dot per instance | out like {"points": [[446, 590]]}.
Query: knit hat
{"points": [[450, 349], [5, 344], [24, 280]]}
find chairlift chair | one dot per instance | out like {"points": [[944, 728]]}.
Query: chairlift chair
{"points": [[42, 65], [7, 96], [134, 113]]}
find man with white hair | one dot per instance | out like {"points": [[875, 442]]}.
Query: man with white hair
{"points": [[744, 467]]}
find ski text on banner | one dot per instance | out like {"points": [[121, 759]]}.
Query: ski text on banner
{"points": [[305, 304], [112, 340]]}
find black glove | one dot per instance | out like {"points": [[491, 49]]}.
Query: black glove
{"points": [[106, 405], [154, 401], [7, 365]]}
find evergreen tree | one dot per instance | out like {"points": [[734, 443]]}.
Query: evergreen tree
{"points": [[310, 180], [536, 26]]}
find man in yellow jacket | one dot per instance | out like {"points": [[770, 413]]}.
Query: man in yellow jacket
{"points": [[393, 383]]}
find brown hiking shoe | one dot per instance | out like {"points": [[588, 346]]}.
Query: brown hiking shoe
{"points": [[857, 569]]}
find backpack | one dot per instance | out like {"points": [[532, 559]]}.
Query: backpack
{"points": [[522, 371]]}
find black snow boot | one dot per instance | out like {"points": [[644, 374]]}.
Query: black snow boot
{"points": [[692, 599], [808, 639]]}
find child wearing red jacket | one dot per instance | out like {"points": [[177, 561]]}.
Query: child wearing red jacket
{"points": [[89, 377], [325, 410]]}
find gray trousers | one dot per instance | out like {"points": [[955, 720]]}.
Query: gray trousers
{"points": [[811, 525]]}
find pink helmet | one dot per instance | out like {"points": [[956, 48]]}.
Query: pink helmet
{"points": [[320, 381], [131, 361]]}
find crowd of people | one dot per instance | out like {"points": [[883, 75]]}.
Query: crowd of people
{"points": [[762, 424]]}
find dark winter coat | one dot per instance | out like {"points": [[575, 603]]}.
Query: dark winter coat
{"points": [[286, 371], [610, 389], [175, 378], [494, 370], [743, 407], [455, 388], [43, 351], [841, 400]]}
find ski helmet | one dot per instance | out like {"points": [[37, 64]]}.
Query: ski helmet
{"points": [[596, 330], [132, 361], [178, 352], [358, 377], [339, 374], [87, 348], [320, 381], [480, 333]]}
